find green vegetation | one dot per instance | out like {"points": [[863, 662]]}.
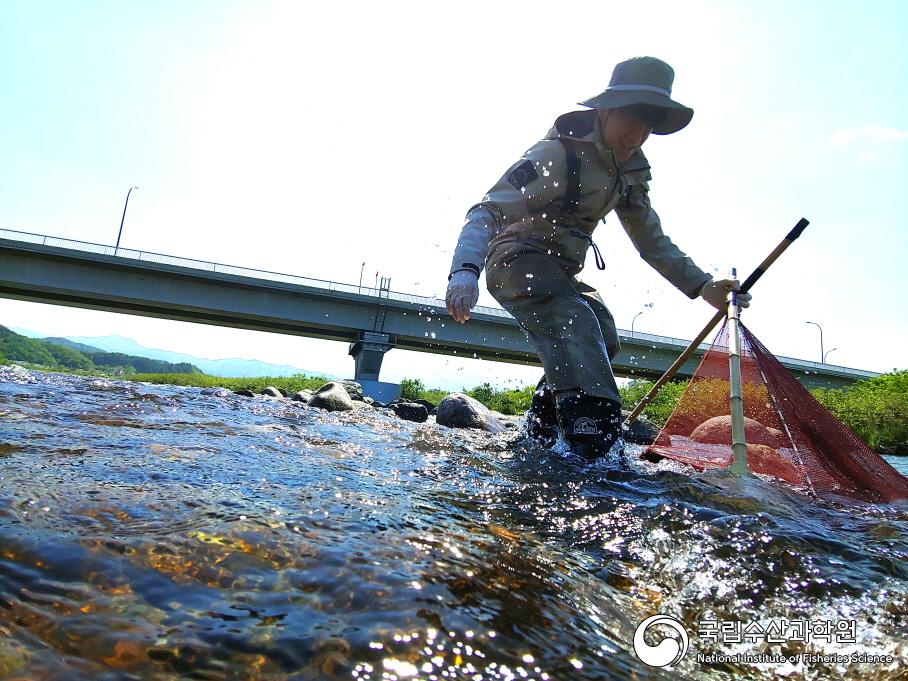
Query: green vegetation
{"points": [[289, 384], [504, 401], [876, 410], [662, 405], [518, 401], [21, 349], [69, 358], [57, 356]]}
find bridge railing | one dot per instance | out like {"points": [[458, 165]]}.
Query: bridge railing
{"points": [[208, 266], [149, 256]]}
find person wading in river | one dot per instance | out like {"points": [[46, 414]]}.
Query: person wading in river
{"points": [[532, 232]]}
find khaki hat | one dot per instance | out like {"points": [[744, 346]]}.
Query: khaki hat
{"points": [[644, 80]]}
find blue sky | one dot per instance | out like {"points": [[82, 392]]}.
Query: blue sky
{"points": [[308, 140]]}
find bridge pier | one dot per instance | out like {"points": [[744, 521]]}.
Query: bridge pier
{"points": [[368, 352]]}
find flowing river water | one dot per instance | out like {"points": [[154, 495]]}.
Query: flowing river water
{"points": [[157, 532]]}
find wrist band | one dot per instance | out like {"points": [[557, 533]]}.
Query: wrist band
{"points": [[468, 267]]}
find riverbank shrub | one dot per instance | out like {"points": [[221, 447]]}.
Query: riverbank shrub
{"points": [[876, 410], [511, 402], [663, 403]]}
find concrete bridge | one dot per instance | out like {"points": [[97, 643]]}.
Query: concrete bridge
{"points": [[46, 269]]}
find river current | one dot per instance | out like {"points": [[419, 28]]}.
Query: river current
{"points": [[157, 532]]}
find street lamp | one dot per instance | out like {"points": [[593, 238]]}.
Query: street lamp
{"points": [[822, 354], [359, 290], [826, 354], [120, 233], [635, 319]]}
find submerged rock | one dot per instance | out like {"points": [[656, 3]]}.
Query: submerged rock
{"points": [[462, 411], [217, 392], [641, 432], [410, 411], [333, 397]]}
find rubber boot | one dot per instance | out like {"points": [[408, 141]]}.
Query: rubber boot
{"points": [[542, 419], [590, 424]]}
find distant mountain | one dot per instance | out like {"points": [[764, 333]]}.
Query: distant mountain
{"points": [[215, 367], [88, 349], [54, 353]]}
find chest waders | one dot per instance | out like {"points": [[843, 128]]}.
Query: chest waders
{"points": [[590, 424]]}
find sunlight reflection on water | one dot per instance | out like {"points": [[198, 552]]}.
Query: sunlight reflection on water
{"points": [[153, 532]]}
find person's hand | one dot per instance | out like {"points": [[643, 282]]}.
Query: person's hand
{"points": [[715, 292], [463, 292]]}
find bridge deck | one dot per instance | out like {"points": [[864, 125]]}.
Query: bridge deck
{"points": [[46, 269]]}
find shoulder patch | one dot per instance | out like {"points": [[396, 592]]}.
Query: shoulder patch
{"points": [[522, 175], [576, 123]]}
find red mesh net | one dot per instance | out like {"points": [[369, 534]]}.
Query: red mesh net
{"points": [[790, 436]]}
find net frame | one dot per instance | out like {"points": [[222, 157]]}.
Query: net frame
{"points": [[790, 436]]}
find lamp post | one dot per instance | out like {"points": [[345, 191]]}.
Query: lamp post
{"points": [[360, 288], [635, 319], [120, 233], [822, 354], [826, 354]]}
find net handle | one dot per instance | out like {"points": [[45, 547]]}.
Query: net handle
{"points": [[695, 343]]}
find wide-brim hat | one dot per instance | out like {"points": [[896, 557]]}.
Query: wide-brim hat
{"points": [[644, 80]]}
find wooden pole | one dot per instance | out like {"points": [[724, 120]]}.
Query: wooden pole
{"points": [[695, 343]]}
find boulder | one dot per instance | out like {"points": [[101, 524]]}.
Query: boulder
{"points": [[430, 408], [717, 431], [302, 396], [244, 392], [354, 390], [333, 397], [271, 391], [462, 411], [410, 411]]}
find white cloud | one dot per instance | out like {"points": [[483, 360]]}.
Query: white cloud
{"points": [[873, 132]]}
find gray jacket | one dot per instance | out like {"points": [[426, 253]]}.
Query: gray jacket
{"points": [[552, 199]]}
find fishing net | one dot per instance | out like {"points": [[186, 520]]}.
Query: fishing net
{"points": [[790, 436]]}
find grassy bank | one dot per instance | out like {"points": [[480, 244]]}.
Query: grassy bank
{"points": [[289, 384]]}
